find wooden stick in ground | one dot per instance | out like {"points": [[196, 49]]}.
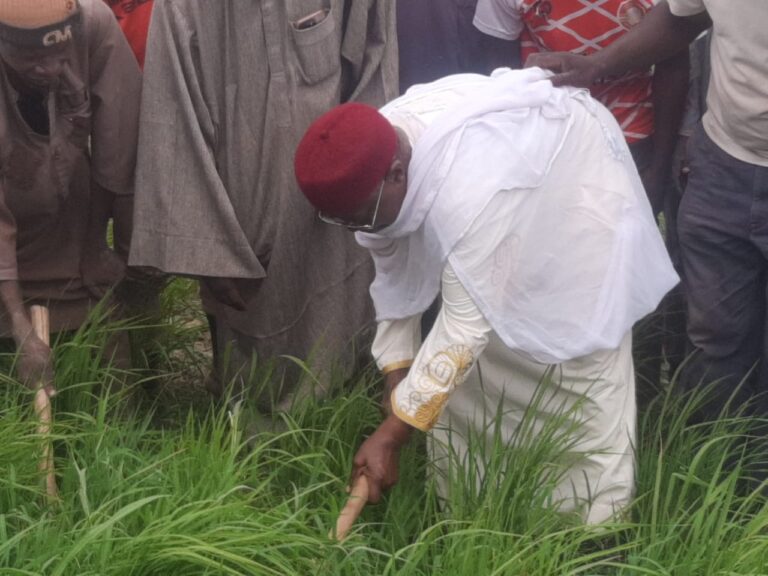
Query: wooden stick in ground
{"points": [[41, 326], [358, 498]]}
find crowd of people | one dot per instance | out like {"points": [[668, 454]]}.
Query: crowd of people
{"points": [[237, 142]]}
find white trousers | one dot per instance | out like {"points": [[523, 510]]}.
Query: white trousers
{"points": [[595, 397]]}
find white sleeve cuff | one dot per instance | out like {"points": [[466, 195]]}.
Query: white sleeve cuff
{"points": [[396, 343]]}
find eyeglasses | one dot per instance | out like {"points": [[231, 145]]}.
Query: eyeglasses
{"points": [[351, 226]]}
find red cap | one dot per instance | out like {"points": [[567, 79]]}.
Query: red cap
{"points": [[343, 157]]}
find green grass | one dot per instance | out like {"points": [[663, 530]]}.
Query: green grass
{"points": [[144, 494]]}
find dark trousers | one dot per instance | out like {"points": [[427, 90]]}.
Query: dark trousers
{"points": [[723, 229]]}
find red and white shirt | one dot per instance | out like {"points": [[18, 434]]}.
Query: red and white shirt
{"points": [[580, 27]]}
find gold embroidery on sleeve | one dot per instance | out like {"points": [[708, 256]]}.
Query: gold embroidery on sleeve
{"points": [[428, 413], [437, 379], [448, 367]]}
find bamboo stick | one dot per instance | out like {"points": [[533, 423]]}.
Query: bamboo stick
{"points": [[41, 326], [358, 498]]}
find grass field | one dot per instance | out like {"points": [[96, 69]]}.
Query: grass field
{"points": [[172, 486]]}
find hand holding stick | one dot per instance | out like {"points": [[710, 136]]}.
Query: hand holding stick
{"points": [[41, 326], [358, 498]]}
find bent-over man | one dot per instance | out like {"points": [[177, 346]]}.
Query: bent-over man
{"points": [[520, 203], [69, 103]]}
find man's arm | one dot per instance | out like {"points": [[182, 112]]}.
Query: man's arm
{"points": [[395, 346], [101, 267], [670, 88], [34, 356], [35, 360], [114, 85], [660, 35], [458, 338]]}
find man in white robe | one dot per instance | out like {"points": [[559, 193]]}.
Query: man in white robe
{"points": [[520, 203]]}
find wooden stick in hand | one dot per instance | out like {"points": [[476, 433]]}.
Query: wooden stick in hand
{"points": [[41, 326], [358, 498]]}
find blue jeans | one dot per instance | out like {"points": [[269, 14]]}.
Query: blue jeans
{"points": [[723, 230]]}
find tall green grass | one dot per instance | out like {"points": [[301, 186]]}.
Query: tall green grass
{"points": [[141, 497]]}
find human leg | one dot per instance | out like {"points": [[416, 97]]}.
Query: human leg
{"points": [[724, 274], [759, 235], [512, 399]]}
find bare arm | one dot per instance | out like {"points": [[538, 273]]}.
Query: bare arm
{"points": [[670, 88], [458, 338], [10, 295], [137, 289], [35, 364], [660, 35], [34, 356], [105, 204], [101, 267]]}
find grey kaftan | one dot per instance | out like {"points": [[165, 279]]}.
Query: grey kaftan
{"points": [[230, 87]]}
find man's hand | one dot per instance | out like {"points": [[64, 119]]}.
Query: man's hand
{"points": [[101, 269], [35, 365], [35, 362], [570, 69], [225, 291], [379, 456], [391, 380]]}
